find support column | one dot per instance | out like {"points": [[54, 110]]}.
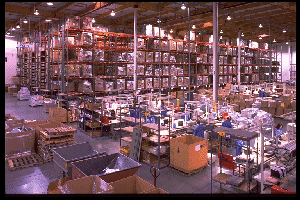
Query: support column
{"points": [[239, 58], [189, 51], [135, 50], [215, 53]]}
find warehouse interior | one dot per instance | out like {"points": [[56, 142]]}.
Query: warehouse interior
{"points": [[150, 98]]}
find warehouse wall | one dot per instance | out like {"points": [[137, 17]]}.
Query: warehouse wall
{"points": [[286, 59], [11, 55]]}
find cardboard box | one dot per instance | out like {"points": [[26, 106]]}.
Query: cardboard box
{"points": [[287, 110], [246, 96], [131, 185], [87, 185], [53, 187], [272, 111], [155, 191], [58, 115], [20, 142], [272, 104], [293, 105], [286, 98], [279, 111], [188, 152], [264, 103]]}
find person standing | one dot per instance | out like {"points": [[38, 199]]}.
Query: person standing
{"points": [[199, 130], [278, 131]]}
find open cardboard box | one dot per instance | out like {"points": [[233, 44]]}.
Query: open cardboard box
{"points": [[131, 185], [86, 185]]}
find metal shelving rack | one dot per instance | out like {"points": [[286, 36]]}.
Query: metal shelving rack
{"points": [[222, 177]]}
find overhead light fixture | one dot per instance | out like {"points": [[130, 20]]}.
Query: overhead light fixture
{"points": [[183, 7], [274, 40], [287, 43], [25, 20], [158, 21], [221, 37], [242, 34], [228, 18], [171, 31], [284, 31], [260, 26], [50, 4], [193, 27], [48, 20], [93, 20], [36, 12], [13, 29], [112, 13], [18, 26], [260, 37], [221, 31]]}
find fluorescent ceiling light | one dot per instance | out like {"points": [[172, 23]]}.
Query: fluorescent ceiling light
{"points": [[183, 7], [36, 12], [193, 27], [221, 31], [284, 31], [25, 20], [112, 13], [228, 18], [260, 26], [50, 4]]}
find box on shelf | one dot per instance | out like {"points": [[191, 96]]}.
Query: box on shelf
{"points": [[121, 84], [86, 23], [149, 56], [140, 70], [131, 185], [99, 84], [148, 82], [140, 56], [130, 69], [188, 152], [109, 86]]}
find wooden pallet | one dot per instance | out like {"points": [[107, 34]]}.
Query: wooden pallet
{"points": [[185, 171], [24, 161]]}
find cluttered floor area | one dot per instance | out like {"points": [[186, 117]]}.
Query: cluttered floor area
{"points": [[35, 179]]}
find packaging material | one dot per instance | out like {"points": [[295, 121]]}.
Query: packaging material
{"points": [[87, 185], [131, 185], [19, 140], [86, 23], [188, 152], [140, 56], [99, 84], [109, 86], [58, 115], [49, 103], [130, 69], [84, 86], [36, 100], [23, 93]]}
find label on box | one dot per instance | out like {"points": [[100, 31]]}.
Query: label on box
{"points": [[197, 147]]}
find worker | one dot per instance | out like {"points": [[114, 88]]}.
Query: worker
{"points": [[163, 108], [227, 124], [278, 131], [238, 145], [199, 130], [261, 94]]}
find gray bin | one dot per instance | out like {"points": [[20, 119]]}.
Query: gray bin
{"points": [[63, 156], [108, 167]]}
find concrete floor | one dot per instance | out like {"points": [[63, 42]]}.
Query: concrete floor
{"points": [[35, 180]]}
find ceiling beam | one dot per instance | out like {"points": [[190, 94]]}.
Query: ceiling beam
{"points": [[91, 8]]}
